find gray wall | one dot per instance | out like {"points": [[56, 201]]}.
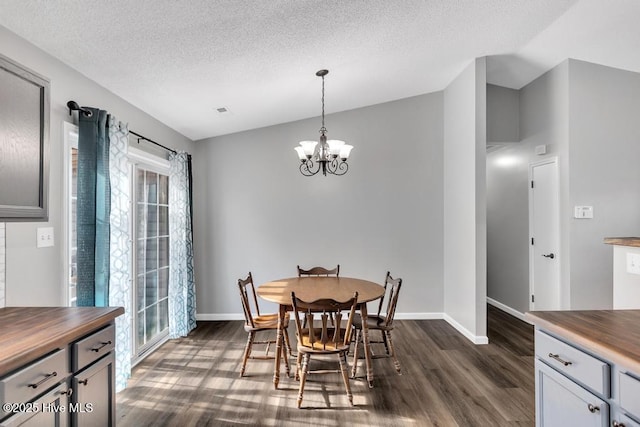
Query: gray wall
{"points": [[604, 144], [503, 114], [254, 211], [35, 277], [465, 200], [586, 114]]}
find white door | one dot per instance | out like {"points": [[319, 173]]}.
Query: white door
{"points": [[544, 233]]}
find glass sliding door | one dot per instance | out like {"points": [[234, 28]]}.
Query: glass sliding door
{"points": [[152, 257]]}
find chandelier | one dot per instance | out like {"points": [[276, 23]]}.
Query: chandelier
{"points": [[327, 156]]}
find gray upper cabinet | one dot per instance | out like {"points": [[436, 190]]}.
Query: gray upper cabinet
{"points": [[24, 143]]}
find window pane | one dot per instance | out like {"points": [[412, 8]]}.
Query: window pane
{"points": [[163, 220], [163, 315], [163, 196], [151, 185], [140, 293], [152, 220], [141, 220], [151, 255], [141, 339], [140, 193], [151, 321], [151, 288], [140, 256], [163, 283], [163, 252]]}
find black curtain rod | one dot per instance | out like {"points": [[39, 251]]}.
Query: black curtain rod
{"points": [[152, 141], [73, 106]]}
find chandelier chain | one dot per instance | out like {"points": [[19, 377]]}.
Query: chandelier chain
{"points": [[323, 128]]}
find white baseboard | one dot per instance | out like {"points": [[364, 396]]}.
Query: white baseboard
{"points": [[476, 339], [400, 316], [515, 313], [218, 317], [240, 316]]}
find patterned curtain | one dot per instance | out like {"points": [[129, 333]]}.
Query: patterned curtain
{"points": [[182, 293], [120, 292], [93, 210]]}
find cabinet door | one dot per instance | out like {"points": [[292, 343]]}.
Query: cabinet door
{"points": [[94, 398], [561, 402], [49, 410]]}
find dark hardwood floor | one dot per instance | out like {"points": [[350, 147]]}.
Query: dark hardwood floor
{"points": [[446, 381]]}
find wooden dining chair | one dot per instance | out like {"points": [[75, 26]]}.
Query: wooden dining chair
{"points": [[380, 322], [254, 323], [319, 271], [325, 339]]}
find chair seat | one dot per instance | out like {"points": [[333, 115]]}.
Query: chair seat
{"points": [[266, 321], [305, 345], [373, 322]]}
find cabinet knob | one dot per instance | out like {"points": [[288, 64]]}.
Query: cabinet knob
{"points": [[593, 409], [68, 392], [614, 423], [84, 381]]}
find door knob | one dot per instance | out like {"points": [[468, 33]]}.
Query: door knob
{"points": [[551, 255]]}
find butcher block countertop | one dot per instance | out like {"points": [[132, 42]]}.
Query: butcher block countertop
{"points": [[610, 334], [623, 241], [28, 333]]}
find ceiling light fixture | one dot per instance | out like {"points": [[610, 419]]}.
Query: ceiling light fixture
{"points": [[330, 156]]}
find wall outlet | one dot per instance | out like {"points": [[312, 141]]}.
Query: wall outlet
{"points": [[633, 263], [44, 237]]}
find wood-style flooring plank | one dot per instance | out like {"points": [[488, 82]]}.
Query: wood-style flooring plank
{"points": [[445, 381]]}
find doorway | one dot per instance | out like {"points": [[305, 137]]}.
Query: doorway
{"points": [[544, 234]]}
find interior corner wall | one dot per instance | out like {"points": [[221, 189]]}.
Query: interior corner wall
{"points": [[604, 129], [36, 276], [254, 211], [543, 106], [465, 200]]}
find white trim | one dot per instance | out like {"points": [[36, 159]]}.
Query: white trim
{"points": [[240, 316], [138, 156], [69, 140], [515, 313], [464, 331], [402, 316]]}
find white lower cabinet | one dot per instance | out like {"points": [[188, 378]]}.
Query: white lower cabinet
{"points": [[576, 387], [562, 402]]}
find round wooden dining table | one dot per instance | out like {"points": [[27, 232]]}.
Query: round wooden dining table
{"points": [[314, 288]]}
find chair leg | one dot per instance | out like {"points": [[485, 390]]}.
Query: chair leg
{"points": [[247, 353], [303, 376], [342, 358], [355, 354], [385, 341], [392, 350], [298, 365], [287, 343]]}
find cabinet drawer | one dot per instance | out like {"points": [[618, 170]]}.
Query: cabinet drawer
{"points": [[93, 347], [630, 394], [49, 410], [590, 371], [34, 379]]}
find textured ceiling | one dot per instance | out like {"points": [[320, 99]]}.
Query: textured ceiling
{"points": [[180, 60]]}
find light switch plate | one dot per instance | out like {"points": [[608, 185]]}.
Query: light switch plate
{"points": [[583, 212], [44, 237]]}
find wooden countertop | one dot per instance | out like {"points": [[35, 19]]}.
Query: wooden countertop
{"points": [[623, 241], [611, 334], [27, 333]]}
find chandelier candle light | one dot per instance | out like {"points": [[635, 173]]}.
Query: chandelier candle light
{"points": [[329, 156]]}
